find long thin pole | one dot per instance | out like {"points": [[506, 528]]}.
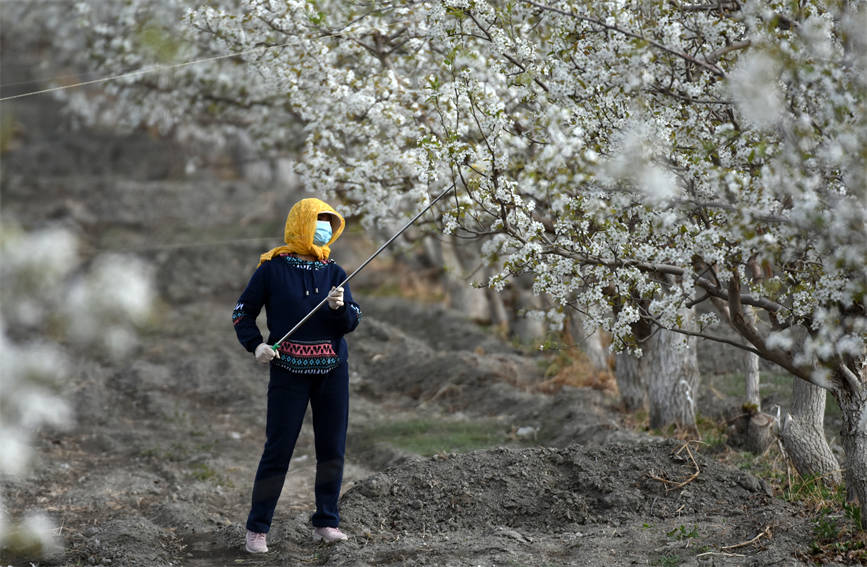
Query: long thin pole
{"points": [[361, 267]]}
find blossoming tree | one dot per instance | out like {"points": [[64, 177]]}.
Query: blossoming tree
{"points": [[638, 158]]}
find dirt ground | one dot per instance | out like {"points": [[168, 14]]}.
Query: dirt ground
{"points": [[158, 469]]}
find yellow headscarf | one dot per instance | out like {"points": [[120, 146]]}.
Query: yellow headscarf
{"points": [[300, 228]]}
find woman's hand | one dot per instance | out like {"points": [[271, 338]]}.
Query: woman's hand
{"points": [[335, 298], [264, 353]]}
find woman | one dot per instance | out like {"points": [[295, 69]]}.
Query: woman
{"points": [[311, 366]]}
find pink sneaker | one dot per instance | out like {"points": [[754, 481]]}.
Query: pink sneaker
{"points": [[329, 535], [256, 543]]}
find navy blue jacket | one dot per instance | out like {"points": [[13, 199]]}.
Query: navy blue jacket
{"points": [[288, 288]]}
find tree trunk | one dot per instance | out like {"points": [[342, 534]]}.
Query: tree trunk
{"points": [[527, 329], [628, 373], [754, 398], [803, 435], [853, 404], [752, 431], [499, 315], [759, 433], [592, 345], [672, 378], [461, 295], [758, 427], [595, 350]]}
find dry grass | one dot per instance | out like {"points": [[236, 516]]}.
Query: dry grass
{"points": [[393, 279], [571, 367], [678, 484]]}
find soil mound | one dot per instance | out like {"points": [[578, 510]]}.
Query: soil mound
{"points": [[620, 504], [542, 488]]}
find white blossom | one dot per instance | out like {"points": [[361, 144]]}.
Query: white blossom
{"points": [[617, 171], [754, 87]]}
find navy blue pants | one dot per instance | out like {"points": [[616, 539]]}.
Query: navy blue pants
{"points": [[288, 395]]}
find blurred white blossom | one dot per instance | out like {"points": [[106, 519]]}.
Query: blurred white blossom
{"points": [[754, 86], [47, 303]]}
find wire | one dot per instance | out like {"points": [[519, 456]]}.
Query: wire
{"points": [[174, 246], [155, 69]]}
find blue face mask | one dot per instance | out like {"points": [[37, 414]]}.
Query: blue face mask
{"points": [[323, 233]]}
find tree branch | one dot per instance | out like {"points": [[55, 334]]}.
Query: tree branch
{"points": [[716, 55], [715, 338], [704, 283], [849, 376], [723, 309], [749, 332], [745, 298], [708, 7], [686, 57]]}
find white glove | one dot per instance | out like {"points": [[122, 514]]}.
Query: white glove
{"points": [[335, 298], [264, 353]]}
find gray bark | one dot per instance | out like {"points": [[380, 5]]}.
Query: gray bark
{"points": [[628, 373], [853, 434], [672, 378], [525, 329], [759, 430], [759, 433], [499, 315], [803, 435], [753, 397], [461, 295], [594, 346], [590, 344], [751, 371]]}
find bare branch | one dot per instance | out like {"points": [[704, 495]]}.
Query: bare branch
{"points": [[716, 55], [722, 308], [745, 298], [764, 533], [523, 69], [850, 377], [714, 338], [709, 7]]}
